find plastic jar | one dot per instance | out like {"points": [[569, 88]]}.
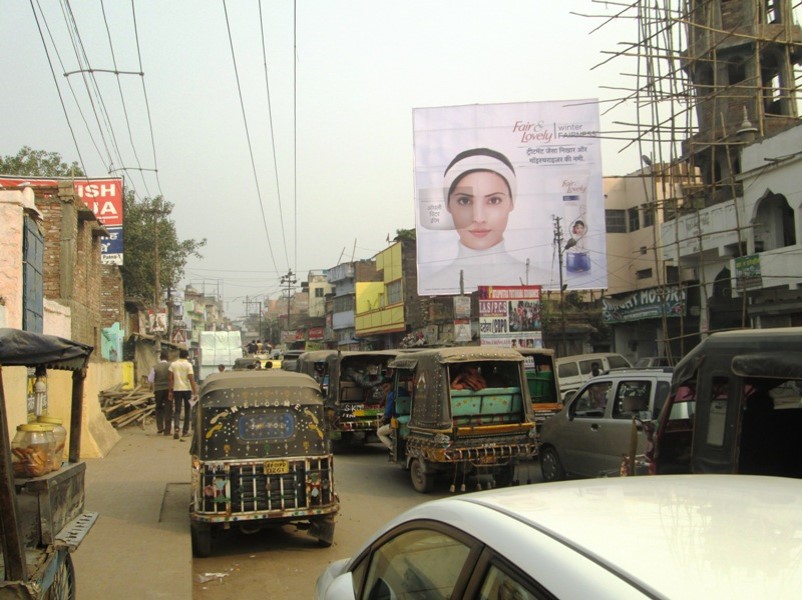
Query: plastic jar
{"points": [[32, 450], [61, 438]]}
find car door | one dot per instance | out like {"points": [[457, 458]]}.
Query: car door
{"points": [[579, 438], [630, 397]]}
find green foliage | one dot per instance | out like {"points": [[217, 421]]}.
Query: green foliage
{"points": [[150, 234], [38, 163], [404, 235]]}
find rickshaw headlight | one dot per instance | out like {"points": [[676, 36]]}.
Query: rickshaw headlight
{"points": [[442, 439]]}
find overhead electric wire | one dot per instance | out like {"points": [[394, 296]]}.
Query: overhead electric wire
{"points": [[248, 136], [122, 97], [90, 83], [272, 133], [295, 124], [145, 96], [55, 81]]}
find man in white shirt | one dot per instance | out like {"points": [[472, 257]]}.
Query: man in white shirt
{"points": [[182, 389]]}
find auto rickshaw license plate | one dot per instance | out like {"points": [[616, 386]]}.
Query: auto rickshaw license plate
{"points": [[277, 467]]}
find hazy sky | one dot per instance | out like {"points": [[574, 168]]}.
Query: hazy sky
{"points": [[341, 178]]}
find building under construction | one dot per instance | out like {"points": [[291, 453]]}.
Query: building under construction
{"points": [[715, 85]]}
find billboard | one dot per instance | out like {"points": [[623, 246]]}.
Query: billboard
{"points": [[493, 182], [103, 196], [509, 316]]}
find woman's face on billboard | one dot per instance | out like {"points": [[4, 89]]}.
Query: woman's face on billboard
{"points": [[480, 206]]}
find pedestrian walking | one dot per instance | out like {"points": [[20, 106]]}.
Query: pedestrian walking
{"points": [[159, 378], [182, 389]]}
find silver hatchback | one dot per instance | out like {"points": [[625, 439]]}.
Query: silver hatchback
{"points": [[592, 432]]}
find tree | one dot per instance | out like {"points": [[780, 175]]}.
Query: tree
{"points": [[404, 235], [38, 163], [147, 230]]}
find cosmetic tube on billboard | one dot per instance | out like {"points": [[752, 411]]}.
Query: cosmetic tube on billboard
{"points": [[432, 213], [577, 257]]}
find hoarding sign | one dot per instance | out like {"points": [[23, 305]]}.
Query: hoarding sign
{"points": [[747, 272], [653, 303], [509, 316], [103, 196], [488, 180]]}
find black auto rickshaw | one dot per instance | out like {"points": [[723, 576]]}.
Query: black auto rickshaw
{"points": [[461, 412], [42, 517], [356, 394], [315, 363], [735, 406], [260, 456]]}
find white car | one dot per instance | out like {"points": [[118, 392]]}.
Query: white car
{"points": [[669, 536]]}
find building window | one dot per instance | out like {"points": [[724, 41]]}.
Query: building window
{"points": [[33, 255], [343, 304], [672, 274], [394, 293], [319, 292], [616, 221], [648, 215], [633, 219], [643, 274]]}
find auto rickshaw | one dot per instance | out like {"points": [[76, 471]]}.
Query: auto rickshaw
{"points": [[542, 382], [356, 394], [260, 456], [466, 412], [735, 406], [315, 363], [42, 518]]}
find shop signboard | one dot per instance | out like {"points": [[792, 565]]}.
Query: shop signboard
{"points": [[509, 316]]}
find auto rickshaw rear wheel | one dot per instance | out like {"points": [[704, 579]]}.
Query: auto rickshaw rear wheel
{"points": [[63, 587], [422, 480], [201, 539]]}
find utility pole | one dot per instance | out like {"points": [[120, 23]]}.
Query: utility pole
{"points": [[558, 240], [158, 211], [290, 280]]}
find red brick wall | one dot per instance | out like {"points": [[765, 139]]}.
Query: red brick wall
{"points": [[84, 297], [112, 296]]}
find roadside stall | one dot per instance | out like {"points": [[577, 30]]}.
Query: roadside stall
{"points": [[41, 498]]}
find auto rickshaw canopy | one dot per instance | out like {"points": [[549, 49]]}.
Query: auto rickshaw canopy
{"points": [[229, 387]]}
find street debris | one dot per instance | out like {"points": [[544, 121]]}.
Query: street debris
{"points": [[206, 577], [123, 407]]}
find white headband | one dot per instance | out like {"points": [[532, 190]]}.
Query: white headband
{"points": [[478, 162]]}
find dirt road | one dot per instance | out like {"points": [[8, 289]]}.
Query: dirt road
{"points": [[284, 563]]}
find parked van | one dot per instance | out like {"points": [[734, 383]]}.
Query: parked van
{"points": [[573, 371]]}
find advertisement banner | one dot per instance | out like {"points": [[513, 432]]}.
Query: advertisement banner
{"points": [[493, 181], [653, 303], [747, 272], [103, 196], [509, 316]]}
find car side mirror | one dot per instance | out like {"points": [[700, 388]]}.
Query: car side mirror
{"points": [[341, 588]]}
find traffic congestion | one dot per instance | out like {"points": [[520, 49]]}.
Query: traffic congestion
{"points": [[453, 426]]}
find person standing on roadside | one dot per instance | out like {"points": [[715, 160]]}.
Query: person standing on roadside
{"points": [[159, 378], [182, 390]]}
